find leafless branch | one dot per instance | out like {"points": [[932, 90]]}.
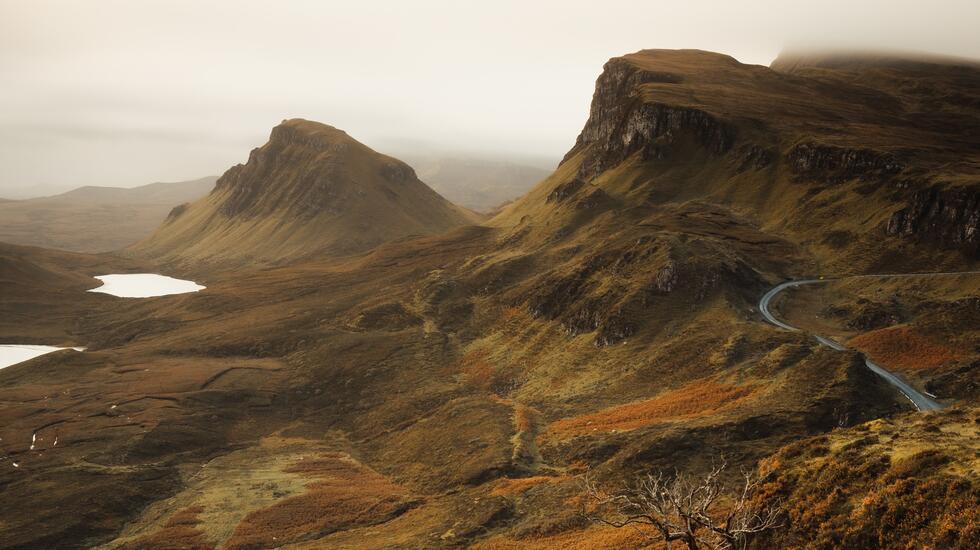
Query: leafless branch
{"points": [[700, 512]]}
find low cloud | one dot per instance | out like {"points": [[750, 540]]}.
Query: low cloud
{"points": [[121, 93]]}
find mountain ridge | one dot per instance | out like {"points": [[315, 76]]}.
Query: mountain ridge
{"points": [[311, 189], [95, 218], [674, 126]]}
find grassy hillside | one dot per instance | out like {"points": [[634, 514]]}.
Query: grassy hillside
{"points": [[911, 480], [312, 189]]}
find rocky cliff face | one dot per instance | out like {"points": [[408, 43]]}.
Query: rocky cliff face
{"points": [[818, 153], [621, 123], [949, 218], [176, 212], [832, 164]]}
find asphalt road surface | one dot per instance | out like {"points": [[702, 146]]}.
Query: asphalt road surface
{"points": [[920, 401]]}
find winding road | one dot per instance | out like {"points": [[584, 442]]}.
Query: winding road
{"points": [[920, 401]]}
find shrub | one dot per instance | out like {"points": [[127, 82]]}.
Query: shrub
{"points": [[903, 348], [694, 399]]}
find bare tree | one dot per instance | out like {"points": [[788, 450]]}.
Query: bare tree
{"points": [[700, 512]]}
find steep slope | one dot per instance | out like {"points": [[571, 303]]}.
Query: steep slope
{"points": [[310, 189], [95, 219], [869, 170]]}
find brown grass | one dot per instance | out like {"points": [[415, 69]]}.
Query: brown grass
{"points": [[345, 494], [903, 348], [692, 400], [179, 533], [594, 538], [187, 516], [482, 374], [883, 486], [523, 418], [512, 312], [507, 487]]}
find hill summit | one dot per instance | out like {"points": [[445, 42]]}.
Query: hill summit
{"points": [[869, 161], [311, 189]]}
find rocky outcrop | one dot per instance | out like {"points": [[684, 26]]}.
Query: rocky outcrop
{"points": [[666, 278], [622, 123], [576, 299], [832, 164], [592, 200], [564, 190], [611, 293], [949, 218], [588, 199], [176, 211], [866, 315], [388, 316], [753, 157]]}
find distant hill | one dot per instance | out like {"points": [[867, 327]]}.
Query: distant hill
{"points": [[95, 219], [152, 193], [13, 191], [479, 183], [310, 189]]}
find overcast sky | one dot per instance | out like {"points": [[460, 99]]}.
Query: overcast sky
{"points": [[126, 92]]}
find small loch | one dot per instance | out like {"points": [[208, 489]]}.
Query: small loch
{"points": [[144, 285]]}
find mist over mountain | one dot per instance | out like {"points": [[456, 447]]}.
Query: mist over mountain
{"points": [[481, 183], [103, 101]]}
